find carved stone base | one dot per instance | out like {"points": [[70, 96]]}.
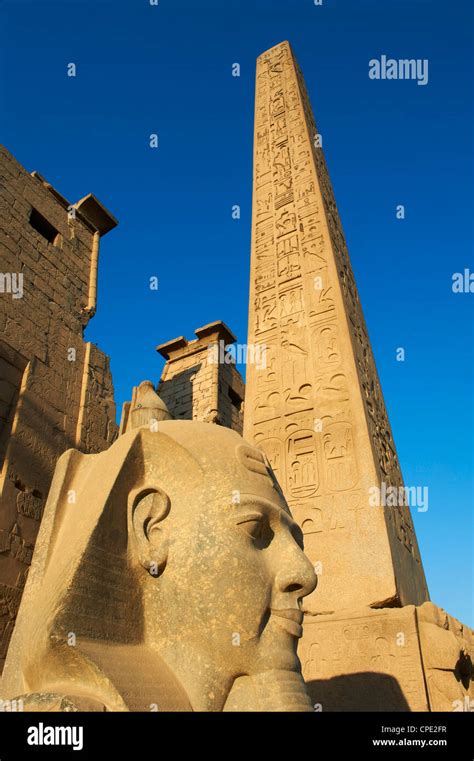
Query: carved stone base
{"points": [[415, 658]]}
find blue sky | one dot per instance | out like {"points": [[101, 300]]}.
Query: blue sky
{"points": [[166, 69]]}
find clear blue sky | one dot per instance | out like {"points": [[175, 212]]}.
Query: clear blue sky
{"points": [[167, 70]]}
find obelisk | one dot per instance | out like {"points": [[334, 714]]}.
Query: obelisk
{"points": [[315, 405]]}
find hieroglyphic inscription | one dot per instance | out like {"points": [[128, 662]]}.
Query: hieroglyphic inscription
{"points": [[381, 435], [369, 645], [316, 408]]}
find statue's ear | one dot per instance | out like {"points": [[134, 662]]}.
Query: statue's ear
{"points": [[150, 506]]}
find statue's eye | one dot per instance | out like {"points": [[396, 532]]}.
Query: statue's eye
{"points": [[257, 527], [253, 526]]}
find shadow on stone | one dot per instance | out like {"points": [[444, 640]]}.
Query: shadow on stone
{"points": [[177, 393], [364, 691]]}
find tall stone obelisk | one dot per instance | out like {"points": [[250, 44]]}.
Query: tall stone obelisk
{"points": [[316, 407]]}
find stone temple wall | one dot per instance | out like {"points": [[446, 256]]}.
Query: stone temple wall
{"points": [[55, 390], [200, 381]]}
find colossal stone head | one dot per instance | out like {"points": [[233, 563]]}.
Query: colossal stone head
{"points": [[167, 576]]}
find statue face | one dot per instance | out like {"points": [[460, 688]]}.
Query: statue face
{"points": [[186, 529], [234, 575], [229, 569]]}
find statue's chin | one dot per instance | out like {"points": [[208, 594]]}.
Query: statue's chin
{"points": [[278, 649], [275, 690]]}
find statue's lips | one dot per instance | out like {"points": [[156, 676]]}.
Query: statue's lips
{"points": [[289, 619]]}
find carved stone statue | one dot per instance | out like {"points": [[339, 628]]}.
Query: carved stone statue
{"points": [[166, 577]]}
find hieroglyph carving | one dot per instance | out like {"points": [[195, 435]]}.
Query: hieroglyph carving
{"points": [[317, 409]]}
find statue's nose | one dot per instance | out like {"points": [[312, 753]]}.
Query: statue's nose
{"points": [[297, 574]]}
